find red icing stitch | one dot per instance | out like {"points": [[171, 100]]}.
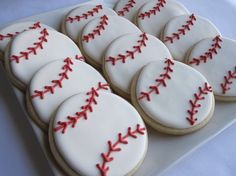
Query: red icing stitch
{"points": [[160, 81], [114, 147], [98, 30], [130, 54], [55, 83], [9, 35], [73, 120], [81, 58], [228, 80], [209, 54], [32, 50], [157, 8], [127, 8], [86, 15], [195, 103], [181, 31]]}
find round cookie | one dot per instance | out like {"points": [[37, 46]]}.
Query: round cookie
{"points": [[128, 8], [215, 59], [127, 55], [57, 81], [172, 97], [7, 33], [100, 32], [32, 49], [182, 32], [154, 15], [106, 136], [77, 18]]}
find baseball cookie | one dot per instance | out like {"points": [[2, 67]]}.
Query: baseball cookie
{"points": [[77, 18], [100, 32], [54, 83], [215, 59], [97, 133], [154, 15], [32, 49], [128, 8], [172, 97], [127, 55], [182, 32], [7, 33]]}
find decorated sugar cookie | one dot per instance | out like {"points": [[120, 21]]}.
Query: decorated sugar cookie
{"points": [[7, 33], [182, 32], [100, 32], [127, 55], [77, 18], [57, 81], [154, 15], [128, 8], [173, 97], [98, 133], [32, 49], [215, 59]]}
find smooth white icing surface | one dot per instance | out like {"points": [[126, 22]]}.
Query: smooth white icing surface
{"points": [[215, 69], [155, 24], [58, 46], [74, 29], [154, 50], [82, 78], [17, 27], [81, 147], [117, 26], [132, 11], [201, 29], [169, 108]]}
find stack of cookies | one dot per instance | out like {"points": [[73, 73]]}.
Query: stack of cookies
{"points": [[170, 64]]}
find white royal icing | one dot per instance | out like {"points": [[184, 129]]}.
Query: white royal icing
{"points": [[81, 78], [129, 8], [201, 28], [154, 50], [116, 27], [81, 147], [85, 13], [152, 20], [56, 46], [217, 67], [7, 33], [170, 107]]}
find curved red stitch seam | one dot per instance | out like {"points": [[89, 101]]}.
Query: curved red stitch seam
{"points": [[126, 8], [86, 15], [9, 35], [195, 103], [81, 58], [228, 80], [181, 31], [114, 147], [33, 49], [160, 82], [97, 30], [157, 8], [73, 120], [56, 83], [215, 47], [130, 54]]}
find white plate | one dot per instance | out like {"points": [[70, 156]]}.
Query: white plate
{"points": [[164, 151]]}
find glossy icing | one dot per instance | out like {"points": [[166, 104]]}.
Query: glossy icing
{"points": [[170, 105], [186, 31], [114, 27], [110, 116], [81, 78], [151, 49]]}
